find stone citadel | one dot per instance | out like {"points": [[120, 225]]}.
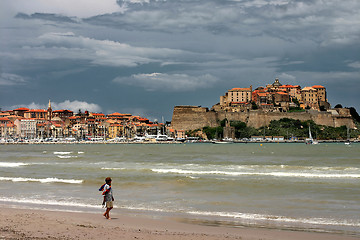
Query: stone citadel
{"points": [[259, 107]]}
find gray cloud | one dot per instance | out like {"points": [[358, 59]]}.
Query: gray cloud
{"points": [[76, 105], [168, 82], [99, 52], [111, 50], [8, 79], [354, 64], [67, 104], [47, 17], [325, 22], [287, 77]]}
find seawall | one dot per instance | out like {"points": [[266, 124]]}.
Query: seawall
{"points": [[193, 117]]}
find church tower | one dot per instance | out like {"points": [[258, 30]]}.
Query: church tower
{"points": [[49, 112]]}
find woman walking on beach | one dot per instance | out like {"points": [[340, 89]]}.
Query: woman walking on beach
{"points": [[108, 197]]}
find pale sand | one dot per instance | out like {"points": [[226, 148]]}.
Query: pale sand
{"points": [[38, 224]]}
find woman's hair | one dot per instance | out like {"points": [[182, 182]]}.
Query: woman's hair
{"points": [[108, 179]]}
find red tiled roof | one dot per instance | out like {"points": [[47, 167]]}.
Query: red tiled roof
{"points": [[119, 114], [36, 110], [239, 89], [63, 110], [240, 102], [21, 109], [318, 86], [7, 125], [282, 93], [289, 86], [115, 124], [308, 88]]}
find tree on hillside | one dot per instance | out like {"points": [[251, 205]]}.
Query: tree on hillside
{"points": [[296, 101], [338, 106], [354, 114]]}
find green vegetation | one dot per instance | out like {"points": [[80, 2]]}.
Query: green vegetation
{"points": [[296, 101], [354, 114], [243, 131], [288, 127], [296, 109], [213, 132], [338, 106], [284, 127], [254, 106]]}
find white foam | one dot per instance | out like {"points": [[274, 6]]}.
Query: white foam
{"points": [[191, 177], [103, 168], [12, 164], [66, 156], [273, 218], [259, 217], [49, 202], [42, 180], [273, 174], [62, 153]]}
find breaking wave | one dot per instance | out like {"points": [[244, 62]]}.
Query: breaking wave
{"points": [[12, 164], [273, 174], [41, 180]]}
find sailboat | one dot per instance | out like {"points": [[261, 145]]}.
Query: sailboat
{"points": [[348, 137], [310, 139]]}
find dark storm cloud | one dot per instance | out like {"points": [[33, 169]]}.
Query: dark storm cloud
{"points": [[47, 17], [324, 22], [110, 51], [168, 82], [7, 79]]}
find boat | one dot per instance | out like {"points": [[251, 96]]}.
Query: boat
{"points": [[310, 139], [223, 141], [348, 137]]}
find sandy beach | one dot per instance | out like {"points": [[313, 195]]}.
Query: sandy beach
{"points": [[39, 224]]}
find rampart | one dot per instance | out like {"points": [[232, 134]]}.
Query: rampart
{"points": [[193, 117]]}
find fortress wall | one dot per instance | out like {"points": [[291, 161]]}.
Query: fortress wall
{"points": [[259, 118], [341, 121], [233, 116], [324, 119], [190, 118]]}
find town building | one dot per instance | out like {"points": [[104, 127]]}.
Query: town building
{"points": [[236, 95]]}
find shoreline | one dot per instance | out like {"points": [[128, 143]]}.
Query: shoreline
{"points": [[16, 223], [172, 142]]}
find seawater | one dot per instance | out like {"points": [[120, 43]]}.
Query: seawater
{"points": [[287, 186]]}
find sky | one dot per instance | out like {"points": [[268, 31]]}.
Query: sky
{"points": [[144, 57]]}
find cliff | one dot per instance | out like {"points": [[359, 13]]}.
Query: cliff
{"points": [[192, 117]]}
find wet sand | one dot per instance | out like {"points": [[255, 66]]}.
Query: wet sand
{"points": [[39, 224]]}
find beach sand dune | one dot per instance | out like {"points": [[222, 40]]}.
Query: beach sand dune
{"points": [[38, 224]]}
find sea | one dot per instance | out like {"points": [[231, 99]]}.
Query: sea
{"points": [[290, 186]]}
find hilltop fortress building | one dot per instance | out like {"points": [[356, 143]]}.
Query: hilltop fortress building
{"points": [[260, 106]]}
